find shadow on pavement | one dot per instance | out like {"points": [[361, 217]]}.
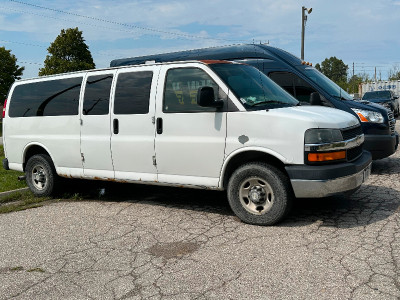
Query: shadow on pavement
{"points": [[368, 205], [388, 166]]}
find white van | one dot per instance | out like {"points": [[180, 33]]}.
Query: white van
{"points": [[202, 124]]}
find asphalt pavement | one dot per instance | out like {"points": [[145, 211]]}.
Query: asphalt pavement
{"points": [[171, 243]]}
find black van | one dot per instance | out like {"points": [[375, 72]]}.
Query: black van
{"points": [[300, 79]]}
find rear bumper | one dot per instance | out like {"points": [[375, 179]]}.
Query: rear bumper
{"points": [[322, 181], [381, 146]]}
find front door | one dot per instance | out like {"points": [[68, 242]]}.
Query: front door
{"points": [[190, 140]]}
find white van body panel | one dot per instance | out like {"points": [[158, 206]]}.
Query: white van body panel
{"points": [[96, 139], [190, 151], [264, 130], [59, 134], [132, 148]]}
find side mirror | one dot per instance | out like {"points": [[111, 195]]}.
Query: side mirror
{"points": [[315, 99], [205, 97]]}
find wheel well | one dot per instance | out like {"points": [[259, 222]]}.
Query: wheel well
{"points": [[247, 157], [33, 150]]}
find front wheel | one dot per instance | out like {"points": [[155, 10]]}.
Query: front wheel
{"points": [[41, 175], [260, 194]]}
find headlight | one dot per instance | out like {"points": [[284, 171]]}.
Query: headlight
{"points": [[322, 136], [368, 115], [315, 138]]}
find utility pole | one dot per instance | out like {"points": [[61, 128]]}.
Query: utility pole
{"points": [[303, 27]]}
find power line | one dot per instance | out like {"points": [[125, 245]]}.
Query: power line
{"points": [[22, 43], [30, 63], [124, 24], [67, 20]]}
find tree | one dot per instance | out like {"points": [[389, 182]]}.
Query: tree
{"points": [[9, 71], [394, 73], [335, 69], [67, 53]]}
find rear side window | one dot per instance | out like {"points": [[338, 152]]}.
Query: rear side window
{"points": [[132, 93], [97, 95], [46, 98]]}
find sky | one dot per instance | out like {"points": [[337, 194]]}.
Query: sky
{"points": [[363, 32]]}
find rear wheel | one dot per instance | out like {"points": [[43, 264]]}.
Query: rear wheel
{"points": [[41, 175], [260, 194]]}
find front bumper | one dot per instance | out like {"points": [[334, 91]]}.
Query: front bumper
{"points": [[322, 181], [381, 146]]}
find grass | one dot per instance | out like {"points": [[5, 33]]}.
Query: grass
{"points": [[22, 200], [25, 199], [9, 179]]}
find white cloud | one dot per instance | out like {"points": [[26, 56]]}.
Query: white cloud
{"points": [[358, 29]]}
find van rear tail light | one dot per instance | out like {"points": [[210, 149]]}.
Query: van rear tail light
{"points": [[4, 108]]}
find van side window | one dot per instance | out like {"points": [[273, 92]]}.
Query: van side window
{"points": [[97, 95], [46, 98], [181, 90], [294, 85], [132, 93]]}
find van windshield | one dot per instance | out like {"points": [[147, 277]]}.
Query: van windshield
{"points": [[252, 87], [377, 95], [326, 84]]}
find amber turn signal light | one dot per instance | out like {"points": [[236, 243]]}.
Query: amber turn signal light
{"points": [[315, 157]]}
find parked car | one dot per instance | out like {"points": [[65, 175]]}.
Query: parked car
{"points": [[200, 124], [388, 99]]}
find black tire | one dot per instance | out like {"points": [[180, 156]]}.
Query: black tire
{"points": [[260, 194], [41, 175]]}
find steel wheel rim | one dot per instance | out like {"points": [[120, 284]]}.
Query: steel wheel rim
{"points": [[39, 177], [256, 195]]}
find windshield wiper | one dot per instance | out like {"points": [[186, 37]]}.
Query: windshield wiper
{"points": [[341, 97], [266, 102]]}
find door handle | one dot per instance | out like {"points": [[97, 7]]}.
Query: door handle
{"points": [[159, 125], [115, 126]]}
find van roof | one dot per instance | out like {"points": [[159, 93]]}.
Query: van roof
{"points": [[147, 63], [232, 52]]}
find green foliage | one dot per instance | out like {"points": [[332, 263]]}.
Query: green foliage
{"points": [[394, 73], [9, 72], [21, 200], [9, 179], [67, 53], [355, 81], [335, 69]]}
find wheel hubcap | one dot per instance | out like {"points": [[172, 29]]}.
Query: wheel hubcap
{"points": [[39, 177], [256, 195]]}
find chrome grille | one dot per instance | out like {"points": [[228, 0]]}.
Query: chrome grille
{"points": [[392, 122]]}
